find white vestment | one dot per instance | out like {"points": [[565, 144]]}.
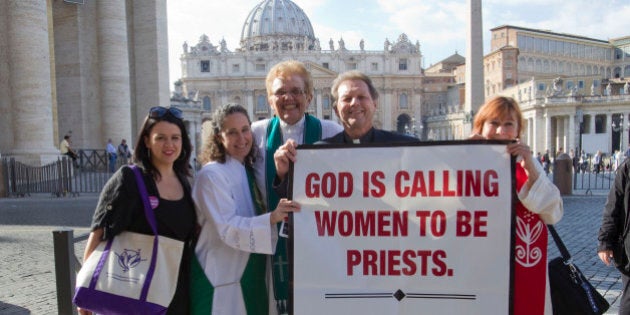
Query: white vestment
{"points": [[295, 132], [230, 230]]}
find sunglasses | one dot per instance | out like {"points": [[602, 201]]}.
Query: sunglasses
{"points": [[159, 112]]}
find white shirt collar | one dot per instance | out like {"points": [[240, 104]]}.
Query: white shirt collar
{"points": [[294, 131]]}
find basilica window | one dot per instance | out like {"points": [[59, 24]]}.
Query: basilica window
{"points": [[205, 66], [261, 104], [207, 104], [326, 102], [600, 124], [325, 65], [236, 68], [374, 66], [403, 101], [260, 67], [586, 124], [351, 66], [402, 64]]}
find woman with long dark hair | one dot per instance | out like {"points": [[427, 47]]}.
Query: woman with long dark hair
{"points": [[162, 151]]}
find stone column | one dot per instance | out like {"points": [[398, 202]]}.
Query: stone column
{"points": [[548, 139], [385, 105], [30, 84], [6, 125], [250, 94], [114, 70], [150, 58], [317, 102], [608, 127], [572, 134]]}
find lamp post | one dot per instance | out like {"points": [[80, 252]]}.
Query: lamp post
{"points": [[619, 128], [621, 133]]}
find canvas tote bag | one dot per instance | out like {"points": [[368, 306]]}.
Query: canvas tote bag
{"points": [[132, 273]]}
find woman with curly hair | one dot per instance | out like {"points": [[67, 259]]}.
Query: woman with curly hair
{"points": [[237, 233]]}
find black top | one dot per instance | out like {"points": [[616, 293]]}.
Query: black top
{"points": [[120, 209], [372, 136]]}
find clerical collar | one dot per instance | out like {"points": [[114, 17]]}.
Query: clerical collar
{"points": [[291, 131], [368, 137]]}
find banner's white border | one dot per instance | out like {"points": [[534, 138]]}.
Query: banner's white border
{"points": [[439, 272]]}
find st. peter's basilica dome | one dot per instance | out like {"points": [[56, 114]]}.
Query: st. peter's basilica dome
{"points": [[278, 25]]}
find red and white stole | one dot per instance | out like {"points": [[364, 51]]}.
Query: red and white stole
{"points": [[531, 257]]}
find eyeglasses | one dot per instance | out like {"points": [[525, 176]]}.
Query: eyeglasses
{"points": [[159, 112], [295, 93]]}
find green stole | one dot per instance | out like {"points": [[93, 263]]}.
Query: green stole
{"points": [[312, 133], [253, 280]]}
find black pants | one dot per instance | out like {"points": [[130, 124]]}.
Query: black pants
{"points": [[624, 301]]}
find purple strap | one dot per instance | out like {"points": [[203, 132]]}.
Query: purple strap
{"points": [[148, 212]]}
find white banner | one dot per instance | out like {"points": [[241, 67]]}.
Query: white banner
{"points": [[403, 229]]}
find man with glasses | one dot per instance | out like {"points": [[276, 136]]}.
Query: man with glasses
{"points": [[289, 92]]}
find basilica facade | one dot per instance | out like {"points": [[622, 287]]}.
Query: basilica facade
{"points": [[280, 30]]}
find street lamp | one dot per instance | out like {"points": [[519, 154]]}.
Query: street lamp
{"points": [[621, 133], [619, 128]]}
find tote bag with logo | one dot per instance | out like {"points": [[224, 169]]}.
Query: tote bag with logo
{"points": [[132, 273]]}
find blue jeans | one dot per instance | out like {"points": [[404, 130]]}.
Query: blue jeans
{"points": [[112, 163]]}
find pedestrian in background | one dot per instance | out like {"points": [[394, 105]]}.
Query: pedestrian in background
{"points": [[65, 148], [123, 152], [111, 154], [162, 152], [539, 203], [546, 163], [613, 234]]}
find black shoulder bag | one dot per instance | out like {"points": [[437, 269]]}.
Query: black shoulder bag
{"points": [[571, 293]]}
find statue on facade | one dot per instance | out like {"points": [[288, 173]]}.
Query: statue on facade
{"points": [[362, 46], [593, 89], [386, 44], [331, 44], [223, 46], [608, 90], [342, 44], [573, 91], [317, 47], [626, 88], [185, 46], [557, 86]]}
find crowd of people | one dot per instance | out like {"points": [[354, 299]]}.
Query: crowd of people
{"points": [[596, 162], [230, 211]]}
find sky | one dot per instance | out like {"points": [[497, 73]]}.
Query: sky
{"points": [[439, 26]]}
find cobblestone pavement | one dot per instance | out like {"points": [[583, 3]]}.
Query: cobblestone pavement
{"points": [[27, 276]]}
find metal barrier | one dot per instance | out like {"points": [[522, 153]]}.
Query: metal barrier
{"points": [[66, 267], [22, 180], [60, 178], [589, 177]]}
